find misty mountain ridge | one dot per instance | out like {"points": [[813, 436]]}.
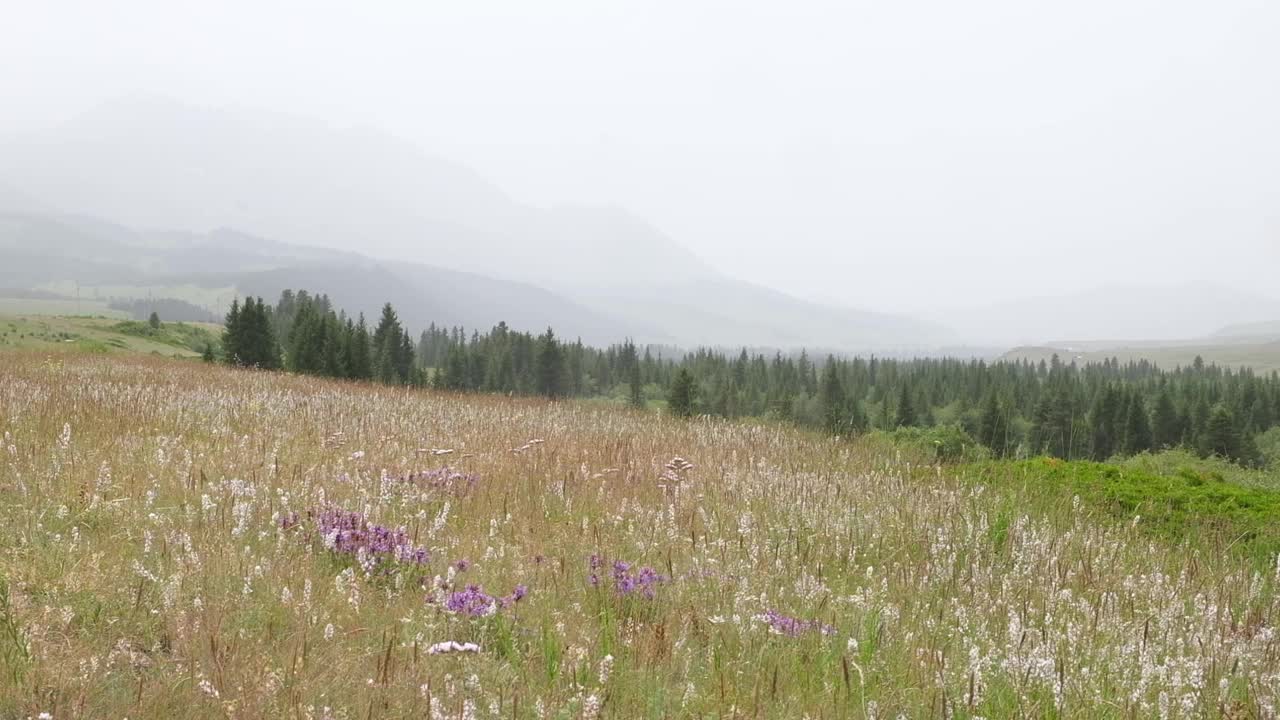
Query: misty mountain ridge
{"points": [[162, 164], [1114, 316]]}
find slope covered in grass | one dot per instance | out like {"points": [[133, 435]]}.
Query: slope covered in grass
{"points": [[103, 335], [190, 540]]}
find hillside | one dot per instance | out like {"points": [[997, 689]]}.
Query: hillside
{"points": [[1261, 357], [104, 335], [218, 539], [103, 260], [161, 164]]}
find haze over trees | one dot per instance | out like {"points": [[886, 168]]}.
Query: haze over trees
{"points": [[1012, 409]]}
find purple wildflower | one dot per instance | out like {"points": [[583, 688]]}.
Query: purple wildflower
{"points": [[625, 582], [473, 601], [445, 478], [462, 565], [347, 532], [793, 627]]}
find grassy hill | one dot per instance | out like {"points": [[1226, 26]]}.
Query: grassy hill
{"points": [[214, 542], [103, 334], [1262, 357]]}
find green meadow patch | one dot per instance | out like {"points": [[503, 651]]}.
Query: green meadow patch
{"points": [[1191, 503]]}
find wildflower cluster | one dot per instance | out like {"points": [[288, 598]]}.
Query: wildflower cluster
{"points": [[445, 478], [474, 601], [626, 582], [780, 624], [347, 532]]}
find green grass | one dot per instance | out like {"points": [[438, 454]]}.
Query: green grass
{"points": [[203, 296], [51, 306], [1261, 357], [1176, 497], [102, 335], [147, 572], [189, 336]]}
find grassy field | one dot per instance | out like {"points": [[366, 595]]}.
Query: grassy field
{"points": [[187, 540], [55, 307], [101, 334], [1262, 357], [203, 296]]}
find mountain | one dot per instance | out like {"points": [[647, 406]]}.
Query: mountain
{"points": [[38, 250], [163, 164], [1113, 316], [1250, 332], [158, 163]]}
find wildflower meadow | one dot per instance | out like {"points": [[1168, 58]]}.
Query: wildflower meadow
{"points": [[189, 540]]}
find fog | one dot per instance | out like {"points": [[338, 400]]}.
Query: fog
{"points": [[939, 159]]}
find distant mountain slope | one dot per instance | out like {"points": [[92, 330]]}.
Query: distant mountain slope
{"points": [[37, 250], [1261, 357], [1110, 316], [1260, 331], [161, 164]]}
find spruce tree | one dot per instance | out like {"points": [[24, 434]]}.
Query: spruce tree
{"points": [[992, 426], [233, 335], [1102, 419], [1137, 430], [832, 400], [1166, 431], [1221, 437], [550, 368], [906, 412], [635, 394], [387, 352], [680, 399]]}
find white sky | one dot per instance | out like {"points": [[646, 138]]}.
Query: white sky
{"points": [[891, 155]]}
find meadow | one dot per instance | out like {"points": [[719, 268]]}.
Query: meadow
{"points": [[1262, 357], [104, 335], [190, 540]]}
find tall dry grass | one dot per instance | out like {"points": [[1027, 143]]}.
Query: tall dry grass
{"points": [[159, 560]]}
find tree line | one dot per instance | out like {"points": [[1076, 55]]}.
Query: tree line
{"points": [[1021, 408]]}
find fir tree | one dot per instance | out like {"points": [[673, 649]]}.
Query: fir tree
{"points": [[550, 368], [680, 399], [1221, 437], [906, 415], [1166, 430], [992, 426], [832, 400], [1137, 428]]}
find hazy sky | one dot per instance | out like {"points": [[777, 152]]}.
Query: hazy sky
{"points": [[893, 155]]}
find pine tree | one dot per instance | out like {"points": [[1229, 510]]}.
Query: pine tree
{"points": [[1221, 437], [154, 320], [992, 426], [208, 356], [906, 416], [1166, 430], [680, 399], [550, 366], [386, 347], [233, 334], [1102, 418], [634, 388], [832, 400], [359, 362], [1137, 428]]}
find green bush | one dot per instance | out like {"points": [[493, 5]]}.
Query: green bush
{"points": [[946, 443]]}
